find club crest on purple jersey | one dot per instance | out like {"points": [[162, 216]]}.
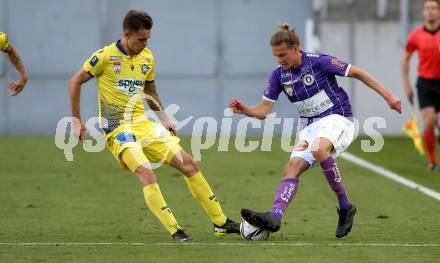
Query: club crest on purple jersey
{"points": [[308, 79]]}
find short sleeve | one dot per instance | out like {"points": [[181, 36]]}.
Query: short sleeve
{"points": [[411, 44], [150, 74], [333, 66], [95, 64], [4, 43], [273, 88]]}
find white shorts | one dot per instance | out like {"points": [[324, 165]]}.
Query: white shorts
{"points": [[337, 129]]}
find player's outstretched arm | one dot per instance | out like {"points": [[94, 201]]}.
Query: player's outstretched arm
{"points": [[374, 84], [405, 65], [259, 111], [14, 57], [155, 104], [75, 83]]}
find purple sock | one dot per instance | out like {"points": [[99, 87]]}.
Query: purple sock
{"points": [[283, 196], [334, 179]]}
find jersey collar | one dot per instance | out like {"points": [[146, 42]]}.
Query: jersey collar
{"points": [[303, 55], [119, 46], [431, 32]]}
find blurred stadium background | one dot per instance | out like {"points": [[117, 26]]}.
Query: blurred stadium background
{"points": [[207, 52]]}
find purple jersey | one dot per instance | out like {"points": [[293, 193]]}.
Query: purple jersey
{"points": [[312, 87]]}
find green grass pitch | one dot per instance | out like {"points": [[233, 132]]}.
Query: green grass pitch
{"points": [[89, 210]]}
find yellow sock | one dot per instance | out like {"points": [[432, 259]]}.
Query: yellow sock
{"points": [[156, 203], [202, 192]]}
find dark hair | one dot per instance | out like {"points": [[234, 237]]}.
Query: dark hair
{"points": [[135, 20], [284, 35], [437, 1]]}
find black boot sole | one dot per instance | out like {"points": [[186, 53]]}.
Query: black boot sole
{"points": [[257, 221]]}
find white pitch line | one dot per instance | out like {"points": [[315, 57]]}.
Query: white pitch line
{"points": [[390, 175], [268, 244]]}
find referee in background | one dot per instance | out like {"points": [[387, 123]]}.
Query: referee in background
{"points": [[426, 40]]}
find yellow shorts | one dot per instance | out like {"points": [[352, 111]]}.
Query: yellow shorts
{"points": [[149, 142]]}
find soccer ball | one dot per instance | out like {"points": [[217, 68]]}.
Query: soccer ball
{"points": [[250, 232]]}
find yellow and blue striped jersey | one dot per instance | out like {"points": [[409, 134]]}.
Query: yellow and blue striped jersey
{"points": [[3, 41], [121, 81]]}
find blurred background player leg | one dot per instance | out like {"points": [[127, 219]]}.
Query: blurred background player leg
{"points": [[429, 119]]}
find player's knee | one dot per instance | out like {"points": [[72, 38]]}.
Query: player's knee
{"points": [[429, 121], [319, 155], [186, 164], [321, 150], [190, 167], [145, 175], [291, 171]]}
